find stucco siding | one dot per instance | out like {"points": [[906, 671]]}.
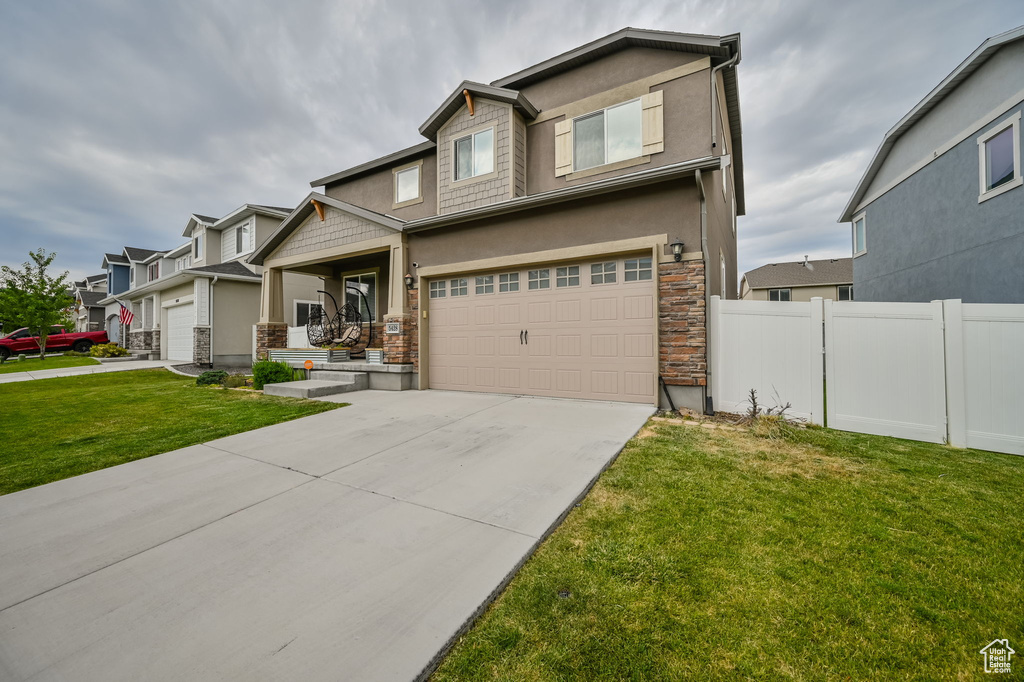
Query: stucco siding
{"points": [[338, 229], [299, 288], [376, 191], [929, 238], [456, 195], [996, 80], [236, 308]]}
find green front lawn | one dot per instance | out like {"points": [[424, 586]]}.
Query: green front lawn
{"points": [[791, 555], [34, 364], [56, 428]]}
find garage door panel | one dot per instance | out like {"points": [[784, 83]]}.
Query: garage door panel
{"points": [[180, 324], [584, 341]]}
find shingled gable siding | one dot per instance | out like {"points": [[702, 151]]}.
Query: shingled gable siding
{"points": [[339, 228], [472, 194], [519, 127]]}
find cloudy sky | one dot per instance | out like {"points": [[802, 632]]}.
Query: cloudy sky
{"points": [[119, 118]]}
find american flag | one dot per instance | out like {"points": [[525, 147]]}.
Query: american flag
{"points": [[126, 315]]}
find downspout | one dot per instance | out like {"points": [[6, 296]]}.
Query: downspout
{"points": [[215, 278], [709, 405], [714, 97]]}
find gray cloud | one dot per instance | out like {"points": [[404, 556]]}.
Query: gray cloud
{"points": [[118, 119]]}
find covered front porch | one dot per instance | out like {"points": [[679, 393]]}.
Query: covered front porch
{"points": [[360, 258]]}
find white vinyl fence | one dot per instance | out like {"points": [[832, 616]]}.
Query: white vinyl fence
{"points": [[940, 372], [298, 337]]}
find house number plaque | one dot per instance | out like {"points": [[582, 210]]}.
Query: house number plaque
{"points": [[393, 328]]}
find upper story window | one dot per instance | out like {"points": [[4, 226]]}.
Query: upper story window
{"points": [[197, 246], [606, 136], [474, 155], [183, 262], [407, 184], [999, 159], [242, 237], [131, 276], [154, 271], [779, 294], [859, 235]]}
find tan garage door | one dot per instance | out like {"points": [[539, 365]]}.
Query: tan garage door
{"points": [[573, 330]]}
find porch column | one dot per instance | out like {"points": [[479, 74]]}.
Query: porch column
{"points": [[399, 344], [272, 331]]}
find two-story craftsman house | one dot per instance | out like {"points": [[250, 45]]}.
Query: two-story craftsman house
{"points": [[557, 234]]}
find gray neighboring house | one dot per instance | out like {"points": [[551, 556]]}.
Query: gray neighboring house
{"points": [[800, 281], [939, 212]]}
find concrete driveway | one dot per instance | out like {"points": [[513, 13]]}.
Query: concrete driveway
{"points": [[350, 545]]}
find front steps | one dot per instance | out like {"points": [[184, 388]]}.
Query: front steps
{"points": [[320, 384]]}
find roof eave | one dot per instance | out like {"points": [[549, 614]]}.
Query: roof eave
{"points": [[452, 104], [393, 158]]}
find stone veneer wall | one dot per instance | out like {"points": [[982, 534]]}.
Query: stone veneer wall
{"points": [[201, 346], [142, 339], [682, 343], [337, 229], [270, 335], [481, 192], [402, 348]]}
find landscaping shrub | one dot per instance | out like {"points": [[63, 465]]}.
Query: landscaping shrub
{"points": [[108, 350], [214, 377], [268, 372], [234, 381], [75, 354]]}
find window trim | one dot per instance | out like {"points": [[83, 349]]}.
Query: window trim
{"points": [[472, 133], [245, 228], [614, 272], [539, 279], [788, 290], [568, 277], [839, 289], [478, 284], [295, 310], [153, 271], [432, 289], [509, 282], [198, 239], [376, 289], [853, 233], [463, 283], [639, 260], [603, 112], [418, 199], [1018, 179]]}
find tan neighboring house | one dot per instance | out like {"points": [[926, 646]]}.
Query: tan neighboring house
{"points": [[198, 303], [800, 281], [561, 227]]}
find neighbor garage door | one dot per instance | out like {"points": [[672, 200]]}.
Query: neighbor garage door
{"points": [[573, 330], [180, 320]]}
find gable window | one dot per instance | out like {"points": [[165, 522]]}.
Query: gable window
{"points": [[485, 284], [779, 294], [568, 276], [407, 184], [859, 235], [637, 269], [602, 273], [437, 289], [474, 155], [242, 239], [303, 310], [197, 246], [606, 136], [508, 283], [153, 271], [845, 292], [183, 262], [460, 287], [361, 292], [999, 159], [538, 279]]}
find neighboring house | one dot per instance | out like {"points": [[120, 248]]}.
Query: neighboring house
{"points": [[88, 293], [118, 281], [198, 303], [561, 228], [800, 281], [937, 214]]}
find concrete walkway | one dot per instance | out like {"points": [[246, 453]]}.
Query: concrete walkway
{"points": [[15, 377], [349, 545]]}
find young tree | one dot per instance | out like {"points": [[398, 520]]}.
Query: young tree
{"points": [[33, 297]]}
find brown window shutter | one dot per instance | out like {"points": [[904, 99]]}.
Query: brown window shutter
{"points": [[563, 148], [653, 122]]}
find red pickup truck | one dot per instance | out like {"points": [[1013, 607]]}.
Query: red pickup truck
{"points": [[21, 341]]}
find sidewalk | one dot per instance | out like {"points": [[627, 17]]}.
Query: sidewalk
{"points": [[88, 369]]}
